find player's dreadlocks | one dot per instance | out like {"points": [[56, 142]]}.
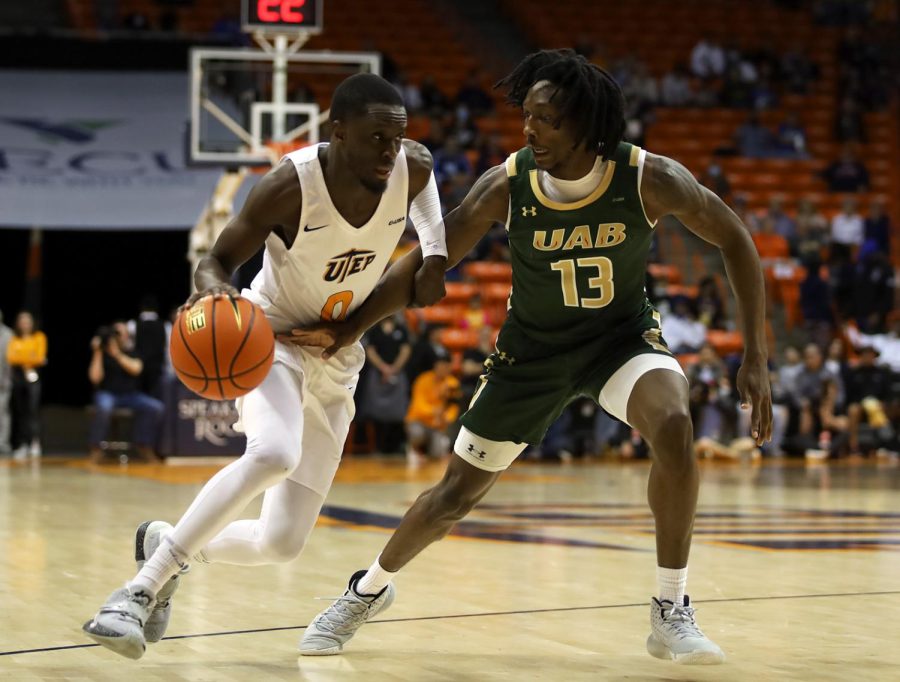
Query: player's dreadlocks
{"points": [[586, 95]]}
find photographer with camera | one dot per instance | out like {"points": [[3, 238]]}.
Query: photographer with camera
{"points": [[116, 375]]}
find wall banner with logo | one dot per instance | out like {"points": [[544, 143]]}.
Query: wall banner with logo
{"points": [[195, 426], [97, 150]]}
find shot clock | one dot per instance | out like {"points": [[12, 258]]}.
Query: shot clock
{"points": [[281, 15]]}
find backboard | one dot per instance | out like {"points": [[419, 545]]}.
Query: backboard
{"points": [[243, 100]]}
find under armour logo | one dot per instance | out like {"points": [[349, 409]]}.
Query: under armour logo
{"points": [[475, 451], [506, 359], [529, 211]]}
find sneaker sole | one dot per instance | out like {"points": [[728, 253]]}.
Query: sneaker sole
{"points": [[129, 646], [659, 650], [330, 651]]}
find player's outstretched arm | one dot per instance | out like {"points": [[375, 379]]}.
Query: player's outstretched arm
{"points": [[668, 188], [485, 204], [274, 203]]}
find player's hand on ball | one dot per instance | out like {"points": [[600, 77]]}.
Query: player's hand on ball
{"points": [[217, 290], [756, 392], [330, 336], [429, 284]]}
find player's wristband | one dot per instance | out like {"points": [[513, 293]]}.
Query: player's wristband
{"points": [[425, 213]]}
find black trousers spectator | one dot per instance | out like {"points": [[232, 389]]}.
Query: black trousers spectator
{"points": [[26, 408]]}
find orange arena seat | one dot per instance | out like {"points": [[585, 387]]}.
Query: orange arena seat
{"points": [[725, 342], [484, 271], [459, 339]]}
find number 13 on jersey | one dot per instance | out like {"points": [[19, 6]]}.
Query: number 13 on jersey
{"points": [[602, 283]]}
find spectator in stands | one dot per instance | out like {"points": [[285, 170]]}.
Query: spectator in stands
{"points": [[848, 123], [473, 96], [136, 21], [873, 288], [869, 393], [709, 303], [806, 394], [715, 180], [409, 91], [797, 70], [878, 227], [437, 134], [114, 371], [783, 224], [770, 245], [713, 403], [847, 229], [227, 29], [474, 316], [763, 95], [6, 335], [387, 389], [836, 362], [745, 213], [451, 161], [675, 90], [887, 345], [815, 304], [683, 332], [425, 351], [490, 153], [707, 58], [847, 174], [433, 408], [811, 234], [737, 87], [434, 101], [151, 346], [26, 355], [752, 139], [790, 139]]}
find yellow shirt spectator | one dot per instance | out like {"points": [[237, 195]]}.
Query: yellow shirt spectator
{"points": [[27, 351], [432, 402]]}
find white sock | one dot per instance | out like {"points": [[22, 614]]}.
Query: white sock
{"points": [[165, 563], [672, 582], [375, 579]]}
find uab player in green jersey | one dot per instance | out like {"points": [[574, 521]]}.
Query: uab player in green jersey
{"points": [[580, 207]]}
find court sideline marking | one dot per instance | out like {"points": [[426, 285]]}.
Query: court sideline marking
{"points": [[562, 609]]}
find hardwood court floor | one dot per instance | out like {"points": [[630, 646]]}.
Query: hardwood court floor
{"points": [[795, 572]]}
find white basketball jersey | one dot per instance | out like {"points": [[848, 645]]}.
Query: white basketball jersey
{"points": [[332, 266]]}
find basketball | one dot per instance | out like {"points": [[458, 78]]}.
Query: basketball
{"points": [[222, 348]]}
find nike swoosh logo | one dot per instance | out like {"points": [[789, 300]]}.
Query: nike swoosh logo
{"points": [[313, 229]]}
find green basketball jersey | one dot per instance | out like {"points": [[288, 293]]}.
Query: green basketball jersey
{"points": [[578, 268]]}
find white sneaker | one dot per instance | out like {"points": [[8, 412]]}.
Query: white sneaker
{"points": [[148, 537], [35, 450], [674, 635], [20, 454], [119, 624], [337, 624]]}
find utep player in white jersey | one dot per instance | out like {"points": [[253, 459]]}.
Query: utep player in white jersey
{"points": [[330, 217]]}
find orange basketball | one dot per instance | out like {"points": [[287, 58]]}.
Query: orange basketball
{"points": [[222, 348]]}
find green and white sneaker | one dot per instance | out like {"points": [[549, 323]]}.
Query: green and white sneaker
{"points": [[675, 636], [119, 624], [147, 539], [337, 624]]}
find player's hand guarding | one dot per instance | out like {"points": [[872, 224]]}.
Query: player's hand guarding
{"points": [[756, 392], [429, 284], [217, 290], [330, 336]]}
